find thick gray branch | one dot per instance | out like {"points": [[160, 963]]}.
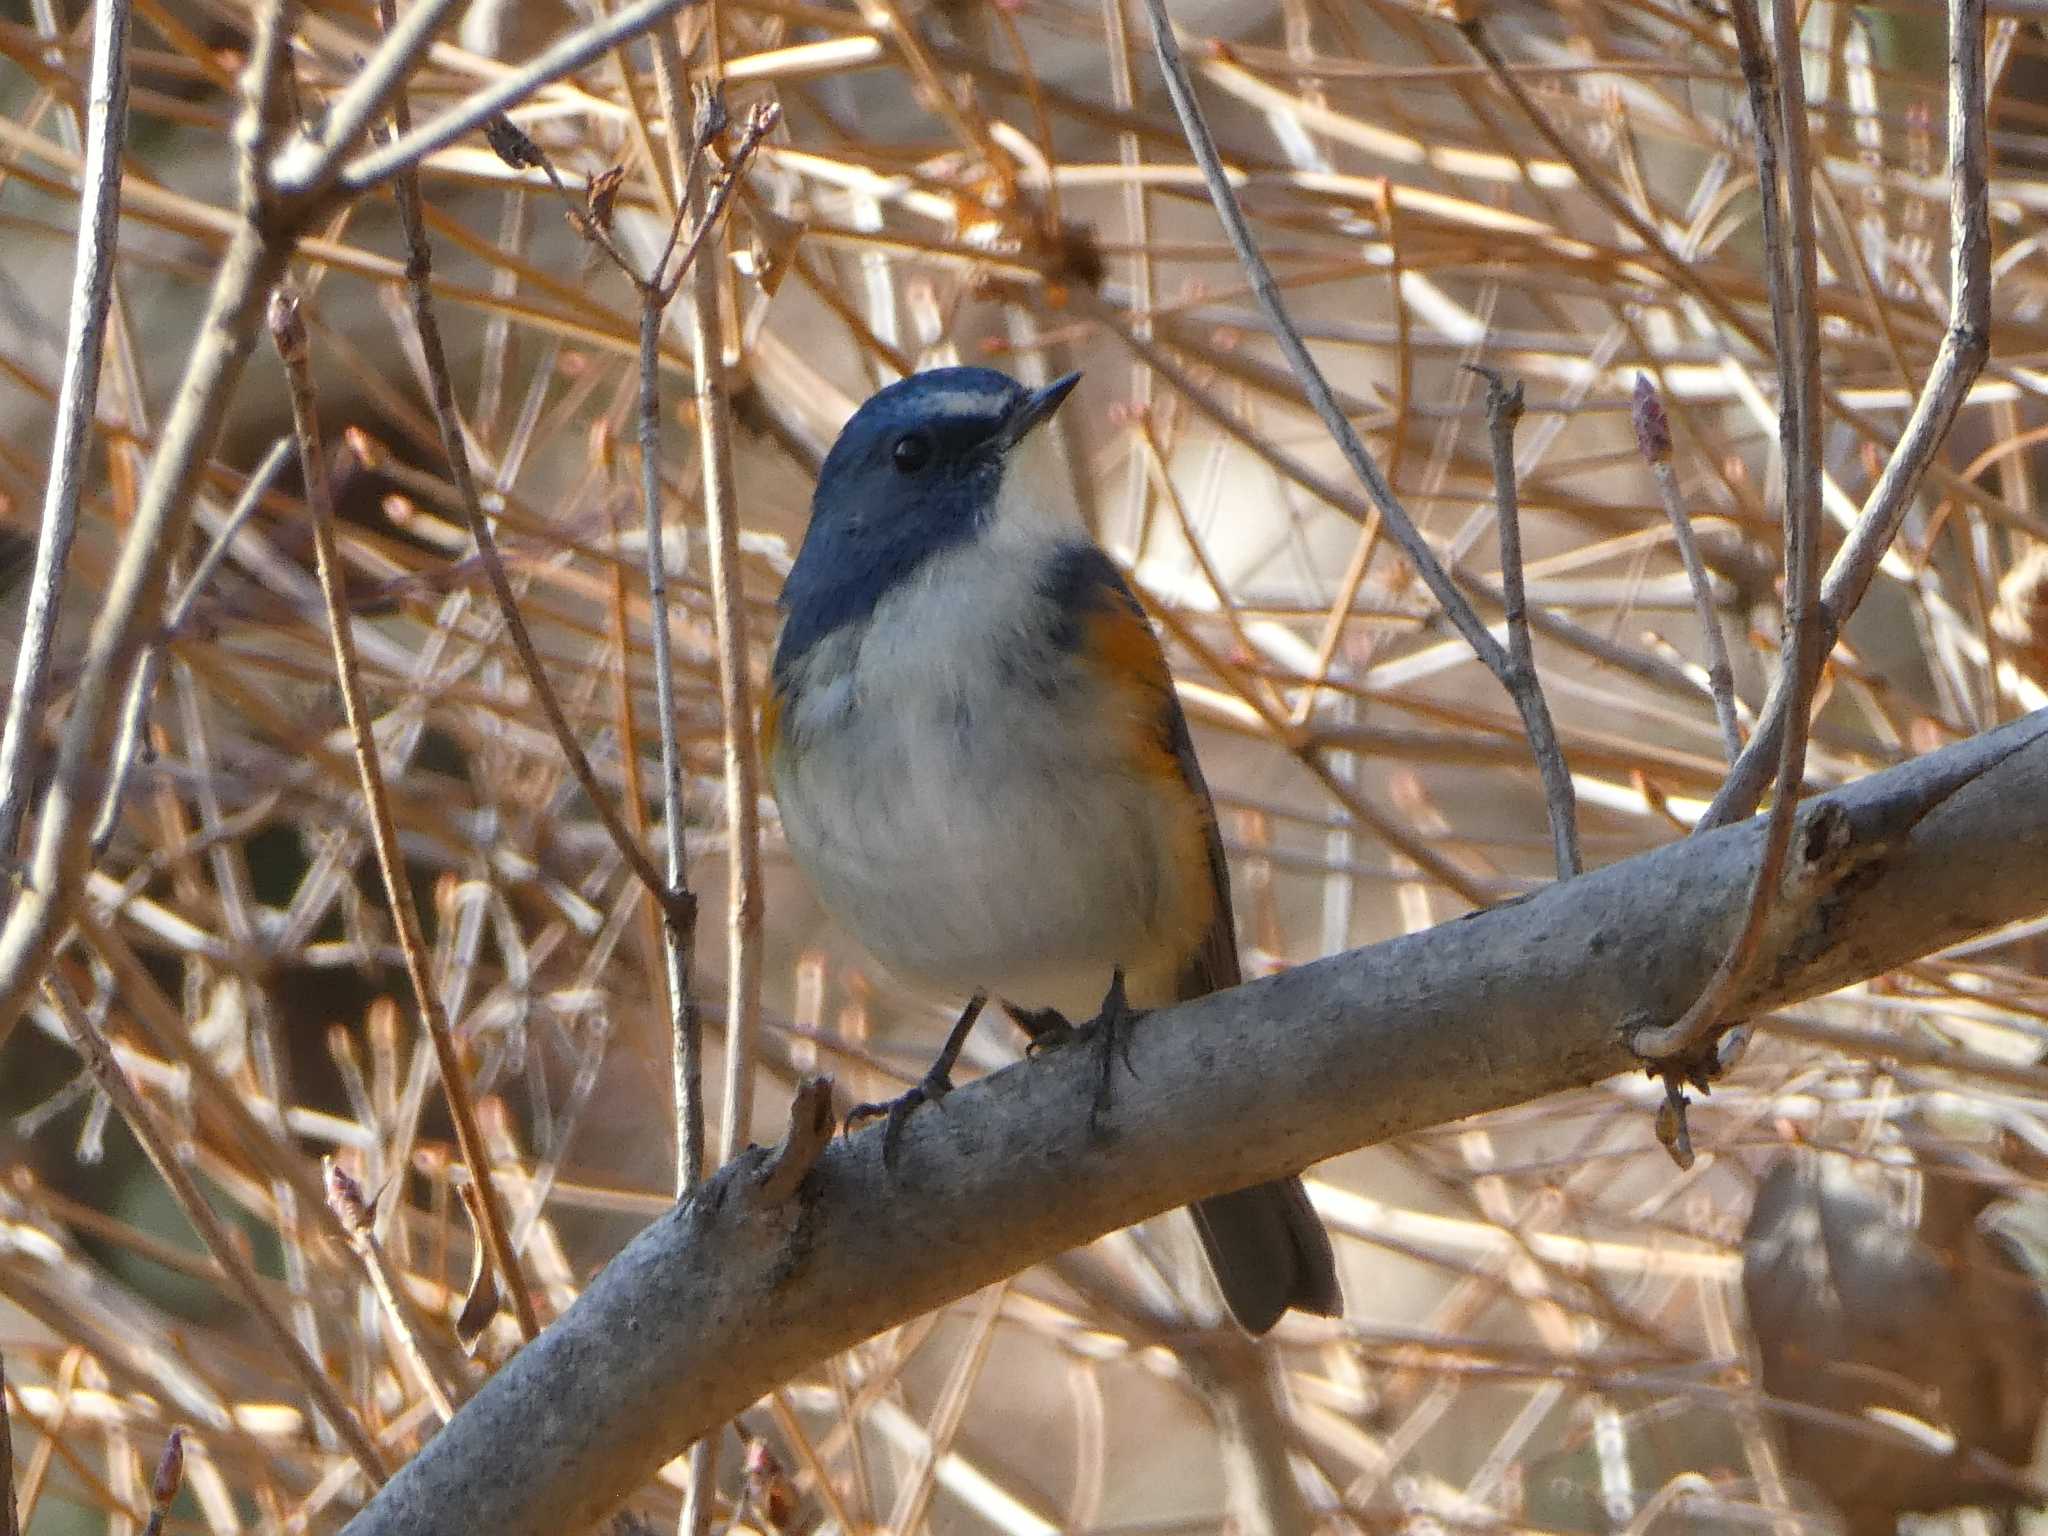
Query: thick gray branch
{"points": [[730, 1293]]}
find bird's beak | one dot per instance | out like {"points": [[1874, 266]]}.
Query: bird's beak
{"points": [[1035, 408]]}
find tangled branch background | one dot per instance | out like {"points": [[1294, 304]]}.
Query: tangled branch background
{"points": [[1548, 1326]]}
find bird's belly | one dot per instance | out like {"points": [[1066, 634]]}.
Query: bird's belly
{"points": [[968, 862]]}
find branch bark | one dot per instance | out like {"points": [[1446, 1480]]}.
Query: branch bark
{"points": [[731, 1293]]}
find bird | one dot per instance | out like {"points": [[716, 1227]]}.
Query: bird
{"points": [[984, 772]]}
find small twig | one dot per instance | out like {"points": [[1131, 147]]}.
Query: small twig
{"points": [[134, 592], [1790, 268], [564, 57], [345, 1199], [679, 911], [305, 164], [809, 1134], [686, 1051], [128, 739], [518, 149], [708, 121], [1398, 523], [742, 770], [679, 926], [163, 1488], [760, 122], [1503, 411], [1653, 440], [287, 330], [1655, 672], [658, 289], [10, 1523], [419, 275], [1965, 346], [156, 1143], [92, 291]]}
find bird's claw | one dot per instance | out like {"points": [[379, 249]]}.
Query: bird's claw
{"points": [[1053, 1032], [931, 1090], [1110, 1033]]}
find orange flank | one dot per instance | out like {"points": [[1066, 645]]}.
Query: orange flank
{"points": [[1120, 642]]}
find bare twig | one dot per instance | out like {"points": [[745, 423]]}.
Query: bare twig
{"points": [[1965, 346], [564, 57], [811, 1118], [288, 332], [679, 913], [1181, 89], [305, 164], [704, 207], [163, 1488], [1790, 267], [134, 593], [742, 771], [128, 739], [686, 1030], [10, 1524], [1503, 411], [155, 1141], [1653, 440], [92, 289], [345, 1199], [419, 273]]}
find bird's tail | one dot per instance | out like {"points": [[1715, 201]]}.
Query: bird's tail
{"points": [[1269, 1253]]}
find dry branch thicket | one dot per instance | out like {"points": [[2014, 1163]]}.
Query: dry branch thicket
{"points": [[1546, 1327]]}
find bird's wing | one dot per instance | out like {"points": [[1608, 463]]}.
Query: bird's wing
{"points": [[1214, 965], [1103, 612]]}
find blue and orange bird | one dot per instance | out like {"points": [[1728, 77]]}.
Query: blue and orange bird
{"points": [[985, 773]]}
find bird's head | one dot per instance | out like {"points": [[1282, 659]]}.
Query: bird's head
{"points": [[933, 462]]}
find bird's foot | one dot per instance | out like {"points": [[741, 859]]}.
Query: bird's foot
{"points": [[1045, 1029], [932, 1089], [1109, 1032], [937, 1083]]}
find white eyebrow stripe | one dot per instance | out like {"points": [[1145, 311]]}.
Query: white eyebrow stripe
{"points": [[967, 402]]}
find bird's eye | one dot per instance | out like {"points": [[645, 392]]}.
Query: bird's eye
{"points": [[911, 452]]}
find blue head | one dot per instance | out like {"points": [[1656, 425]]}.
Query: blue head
{"points": [[917, 470]]}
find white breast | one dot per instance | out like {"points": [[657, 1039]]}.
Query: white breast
{"points": [[942, 787]]}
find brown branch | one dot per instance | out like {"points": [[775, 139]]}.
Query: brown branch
{"points": [[1503, 411], [163, 1488], [128, 739], [1965, 345], [345, 1200], [156, 1143], [686, 1050], [134, 593], [92, 293], [419, 277], [1790, 268], [742, 771], [10, 1523], [288, 332], [1653, 441], [811, 1119], [1306, 370]]}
